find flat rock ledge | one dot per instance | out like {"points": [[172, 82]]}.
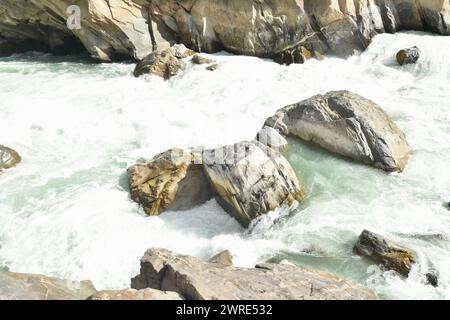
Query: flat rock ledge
{"points": [[346, 124], [197, 280], [132, 294], [19, 286]]}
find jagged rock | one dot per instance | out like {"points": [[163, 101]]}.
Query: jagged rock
{"points": [[272, 138], [213, 67], [132, 294], [198, 59], [124, 29], [180, 51], [432, 279], [251, 179], [382, 250], [197, 280], [295, 55], [347, 124], [408, 56], [172, 180], [18, 286], [160, 63], [224, 258], [8, 158]]}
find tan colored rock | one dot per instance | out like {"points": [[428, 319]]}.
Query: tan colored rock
{"points": [[132, 294], [19, 286], [160, 63], [8, 158], [198, 59], [251, 179], [381, 250], [112, 30], [198, 280], [173, 180], [212, 67], [224, 258], [347, 124], [272, 138]]}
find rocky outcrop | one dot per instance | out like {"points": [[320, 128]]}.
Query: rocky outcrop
{"points": [[111, 30], [197, 280], [160, 63], [382, 250], [347, 124], [408, 56], [251, 179], [198, 59], [224, 258], [172, 180], [272, 138], [18, 286], [132, 294], [8, 158]]}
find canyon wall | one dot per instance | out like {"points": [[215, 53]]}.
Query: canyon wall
{"points": [[131, 29]]}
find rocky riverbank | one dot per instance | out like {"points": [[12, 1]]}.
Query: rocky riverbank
{"points": [[289, 31]]}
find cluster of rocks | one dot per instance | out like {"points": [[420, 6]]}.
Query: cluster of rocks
{"points": [[8, 158], [169, 62], [290, 31], [168, 276], [250, 179]]}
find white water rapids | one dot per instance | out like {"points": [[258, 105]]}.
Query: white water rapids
{"points": [[65, 210]]}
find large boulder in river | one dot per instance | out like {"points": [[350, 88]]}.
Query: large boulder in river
{"points": [[408, 56], [18, 286], [198, 280], [347, 124], [172, 180], [8, 158], [161, 63], [381, 250], [251, 179]]}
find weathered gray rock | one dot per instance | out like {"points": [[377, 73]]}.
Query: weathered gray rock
{"points": [[197, 280], [180, 51], [18, 286], [347, 124], [172, 180], [224, 258], [160, 63], [212, 67], [124, 29], [251, 179], [132, 294], [198, 59], [408, 56], [8, 158], [381, 250]]}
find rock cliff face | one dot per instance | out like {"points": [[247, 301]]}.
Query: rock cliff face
{"points": [[117, 29]]}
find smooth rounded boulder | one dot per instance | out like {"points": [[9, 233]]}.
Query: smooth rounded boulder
{"points": [[408, 56], [346, 124], [8, 158]]}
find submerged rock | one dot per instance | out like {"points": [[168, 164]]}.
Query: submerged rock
{"points": [[198, 59], [347, 124], [382, 250], [132, 294], [212, 67], [19, 286], [408, 56], [224, 258], [161, 63], [8, 158], [172, 180], [198, 280], [251, 179], [432, 279]]}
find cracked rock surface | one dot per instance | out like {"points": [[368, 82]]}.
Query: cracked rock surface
{"points": [[198, 280]]}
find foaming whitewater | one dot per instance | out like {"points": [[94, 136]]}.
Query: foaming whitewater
{"points": [[65, 210]]}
